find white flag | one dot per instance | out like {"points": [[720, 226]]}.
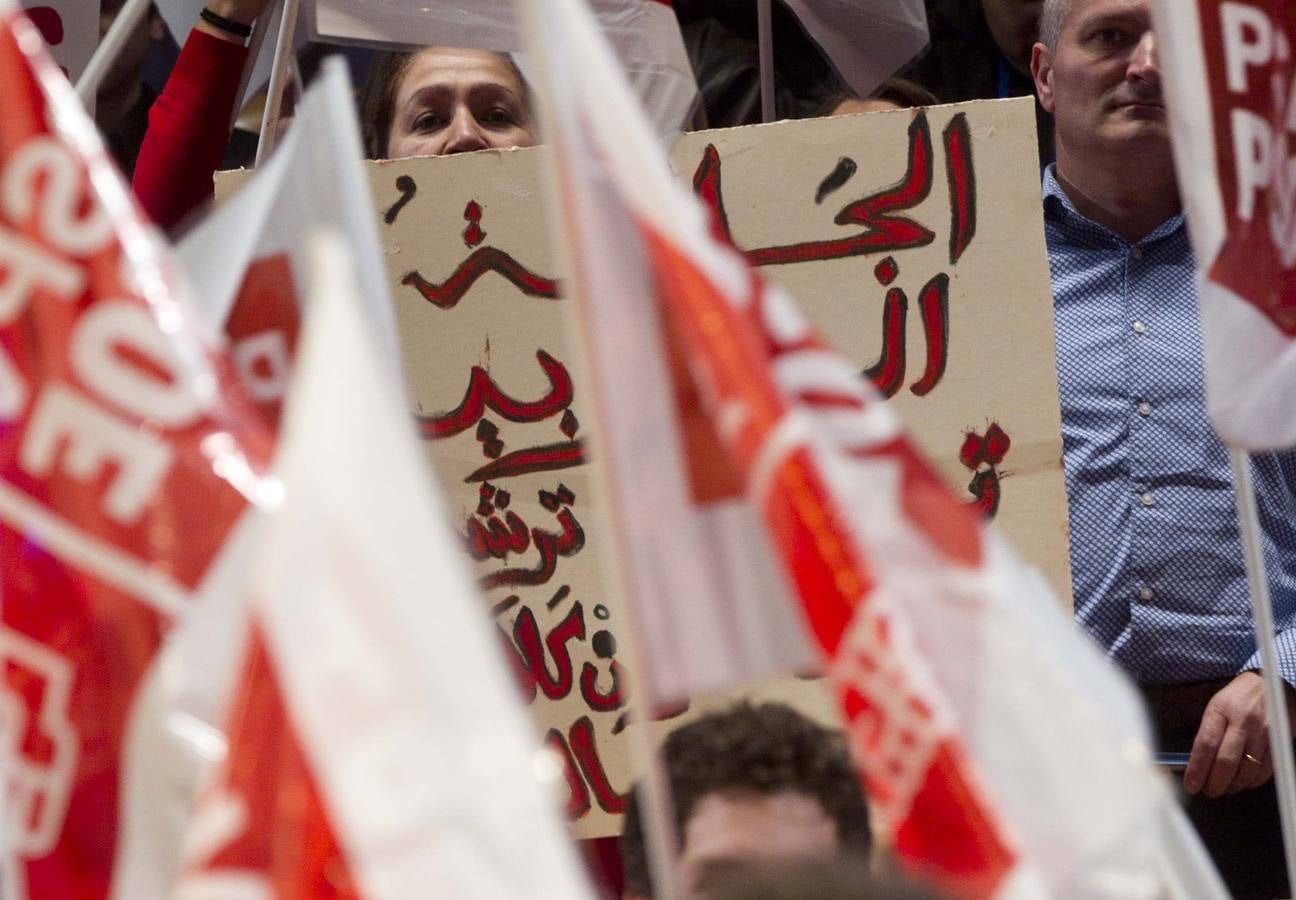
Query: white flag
{"points": [[378, 748], [250, 288], [248, 266]]}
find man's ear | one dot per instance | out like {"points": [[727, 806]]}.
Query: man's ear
{"points": [[1041, 66]]}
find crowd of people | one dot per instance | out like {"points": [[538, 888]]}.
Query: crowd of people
{"points": [[1156, 557]]}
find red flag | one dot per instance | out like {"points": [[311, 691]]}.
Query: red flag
{"points": [[262, 827], [947, 653], [126, 461], [1228, 81]]}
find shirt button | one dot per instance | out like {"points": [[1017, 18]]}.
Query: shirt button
{"points": [[1136, 252], [1139, 327], [1145, 408], [1147, 500], [1146, 593]]}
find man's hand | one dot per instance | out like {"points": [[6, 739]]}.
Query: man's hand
{"points": [[1234, 725]]}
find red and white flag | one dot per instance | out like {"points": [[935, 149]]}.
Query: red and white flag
{"points": [[129, 461], [644, 34], [251, 289], [1228, 78], [248, 294], [378, 747], [949, 655]]}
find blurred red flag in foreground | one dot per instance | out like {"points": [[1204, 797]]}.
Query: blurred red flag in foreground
{"points": [[128, 462], [947, 653]]}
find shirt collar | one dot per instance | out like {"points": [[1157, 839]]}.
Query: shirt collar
{"points": [[1059, 208]]}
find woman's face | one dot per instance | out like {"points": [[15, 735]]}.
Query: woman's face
{"points": [[453, 100]]}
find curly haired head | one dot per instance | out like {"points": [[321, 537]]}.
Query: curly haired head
{"points": [[763, 749]]}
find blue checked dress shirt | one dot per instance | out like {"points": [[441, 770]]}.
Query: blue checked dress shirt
{"points": [[1156, 559]]}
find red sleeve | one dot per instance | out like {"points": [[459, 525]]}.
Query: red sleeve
{"points": [[188, 129]]}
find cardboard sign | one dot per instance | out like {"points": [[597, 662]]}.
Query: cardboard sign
{"points": [[914, 241], [70, 29], [505, 417], [937, 283]]}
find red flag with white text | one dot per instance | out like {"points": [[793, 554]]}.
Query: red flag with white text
{"points": [[1228, 78], [377, 747], [946, 651], [127, 464]]}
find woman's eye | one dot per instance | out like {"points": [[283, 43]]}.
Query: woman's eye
{"points": [[427, 122], [499, 115]]}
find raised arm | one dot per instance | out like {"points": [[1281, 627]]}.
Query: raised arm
{"points": [[189, 123]]}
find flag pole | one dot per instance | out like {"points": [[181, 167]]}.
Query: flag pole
{"points": [[278, 75], [260, 29], [655, 812], [765, 37], [660, 838], [1280, 742], [109, 49]]}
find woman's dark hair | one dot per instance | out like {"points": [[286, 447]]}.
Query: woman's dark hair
{"points": [[378, 96], [902, 92]]}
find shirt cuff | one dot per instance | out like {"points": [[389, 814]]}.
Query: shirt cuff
{"points": [[1286, 641]]}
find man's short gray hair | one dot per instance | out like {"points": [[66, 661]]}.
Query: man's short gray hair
{"points": [[1052, 20]]}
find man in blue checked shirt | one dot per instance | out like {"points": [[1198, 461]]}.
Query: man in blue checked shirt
{"points": [[1157, 565]]}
